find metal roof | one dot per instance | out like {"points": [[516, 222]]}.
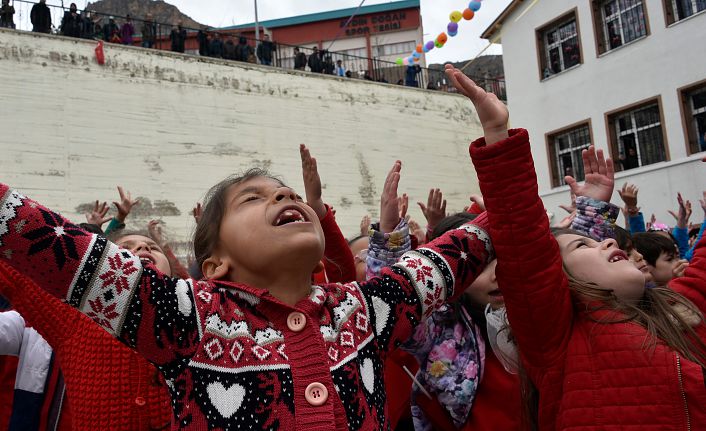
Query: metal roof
{"points": [[334, 14]]}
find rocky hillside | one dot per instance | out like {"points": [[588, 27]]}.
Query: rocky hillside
{"points": [[487, 66], [161, 11]]}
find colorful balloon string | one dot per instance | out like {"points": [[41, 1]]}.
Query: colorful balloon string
{"points": [[451, 31]]}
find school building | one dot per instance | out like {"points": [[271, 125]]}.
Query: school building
{"points": [[626, 76]]}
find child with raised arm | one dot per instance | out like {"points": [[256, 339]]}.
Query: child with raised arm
{"points": [[255, 345], [604, 352]]}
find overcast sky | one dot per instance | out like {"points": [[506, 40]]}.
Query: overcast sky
{"points": [[435, 15]]}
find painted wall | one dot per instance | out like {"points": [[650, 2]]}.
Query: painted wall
{"points": [[667, 59], [168, 126]]}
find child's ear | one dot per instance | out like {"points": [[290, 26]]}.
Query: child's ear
{"points": [[214, 268]]}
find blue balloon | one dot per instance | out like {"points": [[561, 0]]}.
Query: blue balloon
{"points": [[453, 33], [410, 60], [474, 6], [415, 54]]}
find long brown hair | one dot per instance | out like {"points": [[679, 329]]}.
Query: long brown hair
{"points": [[666, 315]]}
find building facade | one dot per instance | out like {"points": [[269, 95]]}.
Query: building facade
{"points": [[383, 31], [627, 76]]}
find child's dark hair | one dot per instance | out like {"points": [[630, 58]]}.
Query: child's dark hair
{"points": [[451, 222], [652, 244], [623, 238], [214, 208]]}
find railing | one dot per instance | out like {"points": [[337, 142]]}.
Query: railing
{"points": [[351, 66]]}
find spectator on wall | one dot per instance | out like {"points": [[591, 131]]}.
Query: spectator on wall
{"points": [[127, 30], [71, 22], [111, 31], [178, 38], [340, 70], [40, 17], [315, 63], [215, 47], [265, 50], [97, 30], [149, 32], [411, 75], [243, 50], [202, 38], [299, 59], [87, 26], [329, 67], [6, 13], [229, 49]]}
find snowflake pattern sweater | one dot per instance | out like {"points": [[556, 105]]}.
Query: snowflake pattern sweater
{"points": [[233, 356]]}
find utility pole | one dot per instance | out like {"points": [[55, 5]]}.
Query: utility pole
{"points": [[257, 26]]}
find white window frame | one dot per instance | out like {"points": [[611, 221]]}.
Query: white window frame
{"points": [[558, 43], [634, 130], [572, 149], [694, 7], [618, 16]]}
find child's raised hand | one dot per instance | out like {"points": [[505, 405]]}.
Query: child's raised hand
{"points": [[365, 225], [435, 209], [312, 182], [703, 204], [197, 212], [683, 213], [681, 267], [125, 205], [600, 176], [389, 202], [629, 196], [154, 229], [478, 200], [97, 216], [404, 206], [492, 112], [571, 207]]}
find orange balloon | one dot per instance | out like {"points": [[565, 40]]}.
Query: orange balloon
{"points": [[442, 38], [468, 14], [420, 48]]}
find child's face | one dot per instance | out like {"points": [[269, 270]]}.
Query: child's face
{"points": [[603, 264], [147, 250], [484, 289], [663, 270], [267, 227], [640, 263]]}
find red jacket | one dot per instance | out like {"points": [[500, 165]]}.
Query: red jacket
{"points": [[590, 376], [109, 386]]}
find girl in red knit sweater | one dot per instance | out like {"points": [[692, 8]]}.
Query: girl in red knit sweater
{"points": [[255, 345], [604, 352]]}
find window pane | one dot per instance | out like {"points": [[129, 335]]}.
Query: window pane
{"points": [[699, 99], [700, 123], [627, 151], [647, 116], [614, 39], [610, 8], [651, 146], [571, 52]]}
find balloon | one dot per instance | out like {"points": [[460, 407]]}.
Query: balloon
{"points": [[415, 54], [429, 45], [455, 16], [410, 60], [442, 37], [468, 14], [420, 47], [416, 58], [438, 44], [453, 33], [399, 61], [474, 5], [452, 28]]}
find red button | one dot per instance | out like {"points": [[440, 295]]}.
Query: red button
{"points": [[316, 394], [140, 401], [296, 321]]}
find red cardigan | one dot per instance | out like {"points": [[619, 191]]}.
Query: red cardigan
{"points": [[590, 376], [109, 386]]}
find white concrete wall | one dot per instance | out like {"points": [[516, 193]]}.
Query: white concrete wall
{"points": [[168, 126], [667, 59]]}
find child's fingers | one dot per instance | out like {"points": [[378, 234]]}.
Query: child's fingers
{"points": [[610, 168], [423, 208], [601, 162], [121, 193], [443, 207], [673, 214], [586, 161], [571, 182]]}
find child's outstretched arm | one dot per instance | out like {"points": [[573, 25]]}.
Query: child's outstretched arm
{"points": [[693, 283], [690, 253], [137, 304], [123, 207], [406, 293], [529, 271], [338, 259]]}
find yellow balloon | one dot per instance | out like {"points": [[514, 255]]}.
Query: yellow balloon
{"points": [[456, 16]]}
